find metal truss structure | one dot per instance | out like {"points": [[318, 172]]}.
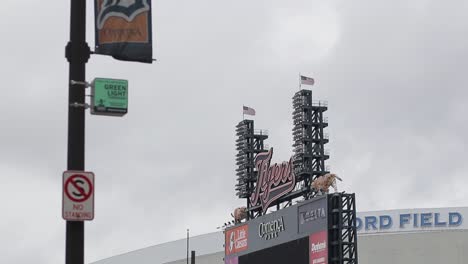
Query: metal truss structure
{"points": [[309, 140], [309, 151], [342, 233], [308, 164], [249, 143]]}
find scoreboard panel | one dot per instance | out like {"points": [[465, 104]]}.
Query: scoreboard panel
{"points": [[294, 252]]}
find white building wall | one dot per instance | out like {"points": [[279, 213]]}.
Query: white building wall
{"points": [[449, 247]]}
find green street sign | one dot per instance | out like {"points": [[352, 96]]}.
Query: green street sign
{"points": [[109, 97]]}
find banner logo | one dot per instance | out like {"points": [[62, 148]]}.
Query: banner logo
{"points": [[312, 215], [318, 247], [126, 9], [123, 29], [236, 239], [273, 181], [271, 229]]}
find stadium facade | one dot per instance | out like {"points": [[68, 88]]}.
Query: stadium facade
{"points": [[417, 236]]}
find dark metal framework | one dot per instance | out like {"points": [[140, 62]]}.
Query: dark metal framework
{"points": [[309, 140], [308, 164], [249, 143], [309, 151], [342, 234]]}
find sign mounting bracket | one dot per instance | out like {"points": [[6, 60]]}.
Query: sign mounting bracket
{"points": [[85, 84]]}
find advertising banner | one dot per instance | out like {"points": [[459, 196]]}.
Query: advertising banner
{"points": [[288, 224], [318, 248], [236, 240], [312, 217], [273, 229], [123, 29]]}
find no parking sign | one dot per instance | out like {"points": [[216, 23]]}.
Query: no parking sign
{"points": [[78, 196]]}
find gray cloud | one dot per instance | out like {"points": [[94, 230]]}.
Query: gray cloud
{"points": [[391, 71]]}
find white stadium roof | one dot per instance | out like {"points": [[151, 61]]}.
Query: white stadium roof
{"points": [[170, 251]]}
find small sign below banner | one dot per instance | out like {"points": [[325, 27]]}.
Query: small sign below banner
{"points": [[123, 29], [109, 97]]}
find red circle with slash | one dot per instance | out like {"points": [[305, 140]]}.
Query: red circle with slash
{"points": [[77, 182]]}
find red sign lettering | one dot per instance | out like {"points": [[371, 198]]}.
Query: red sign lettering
{"points": [[78, 207], [273, 181]]}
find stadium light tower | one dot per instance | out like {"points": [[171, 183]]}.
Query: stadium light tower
{"points": [[309, 139], [249, 143]]}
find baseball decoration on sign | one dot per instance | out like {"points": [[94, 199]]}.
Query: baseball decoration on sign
{"points": [[78, 196]]}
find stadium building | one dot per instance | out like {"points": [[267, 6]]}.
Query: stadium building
{"points": [[416, 236]]}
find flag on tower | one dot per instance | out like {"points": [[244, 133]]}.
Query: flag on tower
{"points": [[307, 80], [248, 111]]}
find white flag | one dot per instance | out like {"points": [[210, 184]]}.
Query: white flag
{"points": [[248, 111], [307, 80]]}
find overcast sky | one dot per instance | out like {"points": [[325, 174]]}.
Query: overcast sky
{"points": [[394, 74]]}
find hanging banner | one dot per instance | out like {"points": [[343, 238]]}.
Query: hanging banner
{"points": [[123, 29]]}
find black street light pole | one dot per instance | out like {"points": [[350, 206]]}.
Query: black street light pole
{"points": [[77, 53]]}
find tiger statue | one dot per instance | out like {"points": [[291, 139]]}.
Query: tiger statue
{"points": [[323, 183], [239, 214]]}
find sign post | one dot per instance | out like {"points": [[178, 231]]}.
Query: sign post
{"points": [[78, 196], [77, 53], [109, 97]]}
